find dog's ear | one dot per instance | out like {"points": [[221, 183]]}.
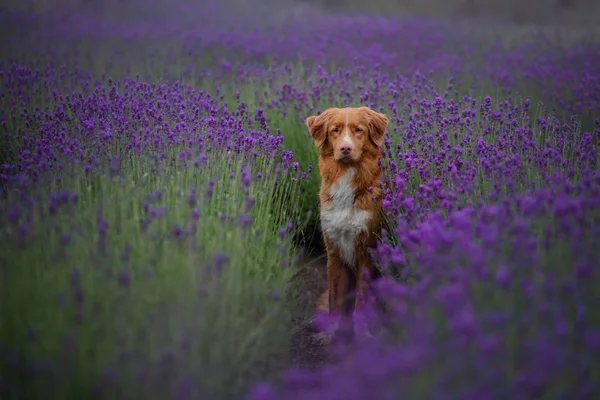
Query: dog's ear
{"points": [[377, 124], [317, 126]]}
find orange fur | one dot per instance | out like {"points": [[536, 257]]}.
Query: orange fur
{"points": [[349, 141]]}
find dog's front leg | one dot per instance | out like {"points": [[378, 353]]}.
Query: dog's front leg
{"points": [[342, 286], [366, 273], [366, 270]]}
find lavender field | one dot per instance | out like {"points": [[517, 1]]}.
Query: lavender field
{"points": [[159, 211]]}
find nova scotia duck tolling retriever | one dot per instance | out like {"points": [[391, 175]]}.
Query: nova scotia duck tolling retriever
{"points": [[349, 142]]}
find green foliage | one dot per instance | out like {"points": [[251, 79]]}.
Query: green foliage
{"points": [[225, 288]]}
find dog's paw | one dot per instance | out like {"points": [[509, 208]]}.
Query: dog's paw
{"points": [[322, 305], [323, 338], [326, 336], [362, 330]]}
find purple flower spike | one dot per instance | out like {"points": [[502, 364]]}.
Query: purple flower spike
{"points": [[124, 279]]}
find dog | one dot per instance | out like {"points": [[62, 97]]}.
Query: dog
{"points": [[349, 142]]}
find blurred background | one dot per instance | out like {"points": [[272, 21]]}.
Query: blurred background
{"points": [[513, 11], [518, 11]]}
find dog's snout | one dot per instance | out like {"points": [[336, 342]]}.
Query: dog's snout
{"points": [[346, 149]]}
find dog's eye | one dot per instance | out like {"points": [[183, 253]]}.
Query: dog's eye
{"points": [[359, 130], [335, 130]]}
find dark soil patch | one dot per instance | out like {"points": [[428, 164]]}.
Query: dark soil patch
{"points": [[306, 349]]}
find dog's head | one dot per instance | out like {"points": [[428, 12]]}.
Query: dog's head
{"points": [[347, 133]]}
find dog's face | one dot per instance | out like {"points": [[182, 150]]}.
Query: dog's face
{"points": [[346, 133]]}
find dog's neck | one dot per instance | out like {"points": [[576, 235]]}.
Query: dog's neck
{"points": [[367, 171]]}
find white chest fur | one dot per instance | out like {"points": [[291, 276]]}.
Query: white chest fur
{"points": [[341, 221]]}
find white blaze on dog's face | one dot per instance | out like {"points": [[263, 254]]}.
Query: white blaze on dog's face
{"points": [[347, 132]]}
